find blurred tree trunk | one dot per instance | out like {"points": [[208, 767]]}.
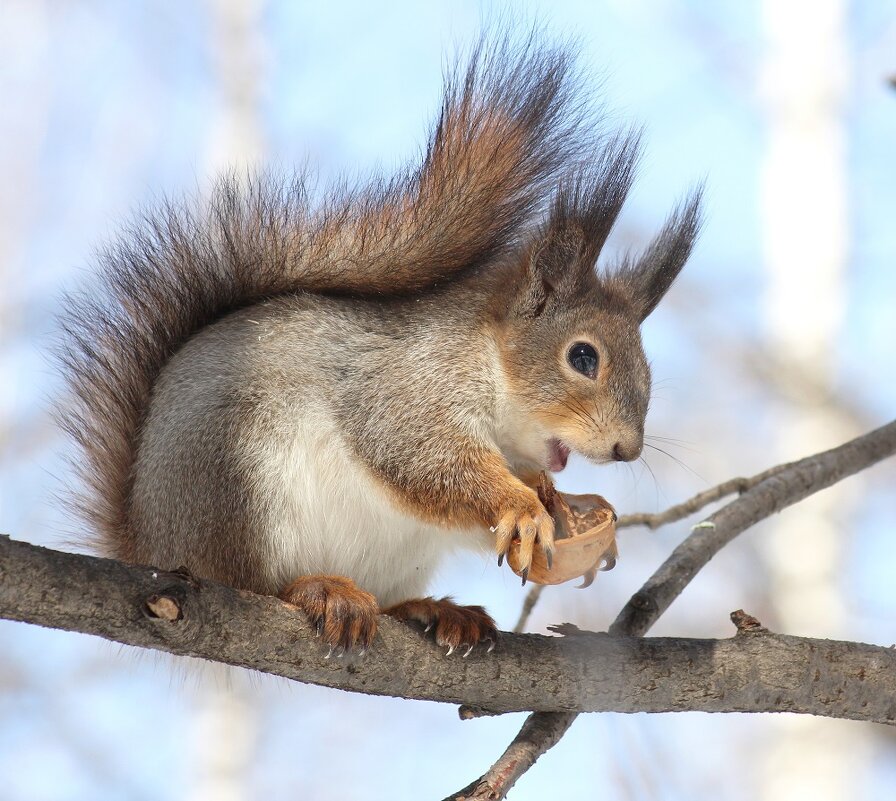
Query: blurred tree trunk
{"points": [[804, 218], [224, 724]]}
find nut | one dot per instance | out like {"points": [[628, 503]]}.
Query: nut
{"points": [[585, 538]]}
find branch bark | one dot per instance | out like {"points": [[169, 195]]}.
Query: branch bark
{"points": [[768, 493], [173, 612]]}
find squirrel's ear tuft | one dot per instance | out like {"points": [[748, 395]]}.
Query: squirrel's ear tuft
{"points": [[562, 256], [649, 276]]}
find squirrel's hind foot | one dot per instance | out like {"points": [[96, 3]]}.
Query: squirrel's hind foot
{"points": [[343, 614], [459, 628]]}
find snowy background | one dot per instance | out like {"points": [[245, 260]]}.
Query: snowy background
{"points": [[777, 342]]}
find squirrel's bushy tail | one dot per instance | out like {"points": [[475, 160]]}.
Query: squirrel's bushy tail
{"points": [[510, 124]]}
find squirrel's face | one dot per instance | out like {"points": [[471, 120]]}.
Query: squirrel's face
{"points": [[570, 341], [577, 380], [576, 375]]}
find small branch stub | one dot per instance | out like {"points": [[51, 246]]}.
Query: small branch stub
{"points": [[164, 607], [745, 623], [467, 712]]}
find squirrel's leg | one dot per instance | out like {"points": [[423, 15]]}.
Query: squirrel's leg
{"points": [[475, 487], [343, 614], [454, 626], [510, 508]]}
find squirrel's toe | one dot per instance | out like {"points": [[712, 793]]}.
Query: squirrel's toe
{"points": [[344, 615], [457, 628]]}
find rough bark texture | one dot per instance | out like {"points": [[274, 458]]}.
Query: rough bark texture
{"points": [[752, 672]]}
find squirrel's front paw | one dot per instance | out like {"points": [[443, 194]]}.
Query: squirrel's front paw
{"points": [[343, 614], [456, 627], [529, 521]]}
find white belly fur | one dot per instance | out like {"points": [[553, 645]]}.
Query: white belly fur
{"points": [[330, 517]]}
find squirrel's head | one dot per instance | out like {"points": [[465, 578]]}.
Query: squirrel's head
{"points": [[576, 372]]}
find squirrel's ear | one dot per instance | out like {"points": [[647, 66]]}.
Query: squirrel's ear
{"points": [[538, 286], [649, 276], [561, 257], [551, 261]]}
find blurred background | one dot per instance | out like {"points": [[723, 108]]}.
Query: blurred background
{"points": [[778, 341]]}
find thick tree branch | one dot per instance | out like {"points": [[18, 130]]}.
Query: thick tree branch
{"points": [[762, 672], [767, 493]]}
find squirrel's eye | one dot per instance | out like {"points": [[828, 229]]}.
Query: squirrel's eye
{"points": [[583, 358]]}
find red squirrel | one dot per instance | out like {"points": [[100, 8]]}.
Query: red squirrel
{"points": [[320, 398]]}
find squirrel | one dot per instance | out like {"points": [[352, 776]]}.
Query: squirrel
{"points": [[318, 396]]}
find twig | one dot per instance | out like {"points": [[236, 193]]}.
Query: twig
{"points": [[782, 489], [702, 499], [528, 605], [539, 733], [778, 489]]}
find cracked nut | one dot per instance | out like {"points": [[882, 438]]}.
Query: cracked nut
{"points": [[585, 538]]}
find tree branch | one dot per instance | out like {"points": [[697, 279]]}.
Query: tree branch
{"points": [[782, 488], [702, 499], [174, 612], [770, 492], [538, 734]]}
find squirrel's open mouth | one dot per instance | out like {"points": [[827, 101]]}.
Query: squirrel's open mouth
{"points": [[558, 454]]}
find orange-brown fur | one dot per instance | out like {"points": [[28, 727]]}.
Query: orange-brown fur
{"points": [[453, 626], [343, 614]]}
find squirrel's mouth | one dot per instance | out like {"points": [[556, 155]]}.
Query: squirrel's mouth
{"points": [[558, 454]]}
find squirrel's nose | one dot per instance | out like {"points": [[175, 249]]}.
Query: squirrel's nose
{"points": [[627, 451]]}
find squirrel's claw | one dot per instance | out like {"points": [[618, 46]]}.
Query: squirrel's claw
{"points": [[504, 534], [530, 525]]}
